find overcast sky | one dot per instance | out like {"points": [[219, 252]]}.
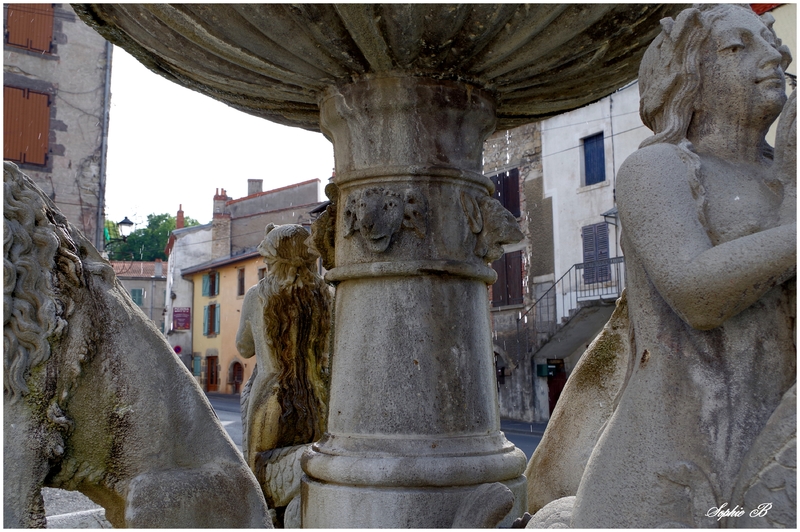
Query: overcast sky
{"points": [[168, 145]]}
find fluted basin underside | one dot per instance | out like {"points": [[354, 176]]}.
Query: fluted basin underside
{"points": [[275, 60]]}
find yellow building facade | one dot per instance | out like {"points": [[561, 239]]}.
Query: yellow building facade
{"points": [[218, 293]]}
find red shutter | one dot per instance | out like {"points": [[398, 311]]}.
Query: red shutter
{"points": [[26, 125], [511, 187], [30, 26], [499, 289], [514, 277]]}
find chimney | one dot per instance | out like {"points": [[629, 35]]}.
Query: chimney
{"points": [[220, 198], [159, 267], [179, 219], [254, 186], [221, 227]]}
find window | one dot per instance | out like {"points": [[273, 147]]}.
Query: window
{"points": [[240, 280], [261, 273], [30, 26], [595, 248], [508, 288], [137, 294], [506, 186], [26, 126], [594, 160], [211, 320], [211, 284]]}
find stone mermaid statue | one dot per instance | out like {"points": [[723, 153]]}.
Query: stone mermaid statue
{"points": [[702, 426], [285, 324]]}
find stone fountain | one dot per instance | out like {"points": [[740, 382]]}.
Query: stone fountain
{"points": [[407, 94]]}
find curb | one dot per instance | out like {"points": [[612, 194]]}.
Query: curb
{"points": [[85, 519]]}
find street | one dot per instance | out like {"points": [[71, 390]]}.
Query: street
{"points": [[70, 509]]}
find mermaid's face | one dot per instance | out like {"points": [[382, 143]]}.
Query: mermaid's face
{"points": [[740, 69]]}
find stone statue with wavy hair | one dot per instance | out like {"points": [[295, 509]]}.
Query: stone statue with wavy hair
{"points": [[94, 398], [285, 324], [705, 420]]}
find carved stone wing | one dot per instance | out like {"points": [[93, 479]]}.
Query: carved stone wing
{"points": [[768, 475]]}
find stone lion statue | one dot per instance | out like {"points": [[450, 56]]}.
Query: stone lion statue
{"points": [[285, 324], [94, 398]]}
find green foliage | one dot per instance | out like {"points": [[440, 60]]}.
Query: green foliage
{"points": [[147, 243]]}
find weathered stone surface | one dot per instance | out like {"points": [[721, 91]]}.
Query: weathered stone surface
{"points": [[485, 507], [82, 407], [711, 255], [413, 404], [586, 404], [275, 61], [556, 514], [285, 324], [407, 94]]}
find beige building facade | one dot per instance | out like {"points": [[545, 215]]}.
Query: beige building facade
{"points": [[215, 276]]}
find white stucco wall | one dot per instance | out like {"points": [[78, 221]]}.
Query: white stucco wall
{"points": [[574, 205]]}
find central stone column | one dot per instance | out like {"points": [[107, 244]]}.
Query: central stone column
{"points": [[414, 424]]}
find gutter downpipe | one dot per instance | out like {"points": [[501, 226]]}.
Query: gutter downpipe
{"points": [[101, 211]]}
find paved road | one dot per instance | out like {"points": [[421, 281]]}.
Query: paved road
{"points": [[70, 509]]}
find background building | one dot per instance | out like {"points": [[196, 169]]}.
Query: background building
{"points": [[146, 283], [186, 247], [56, 94], [212, 266], [556, 289]]}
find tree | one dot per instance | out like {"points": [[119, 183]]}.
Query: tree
{"points": [[148, 243]]}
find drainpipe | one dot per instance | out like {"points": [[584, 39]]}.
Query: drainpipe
{"points": [[613, 170], [101, 208]]}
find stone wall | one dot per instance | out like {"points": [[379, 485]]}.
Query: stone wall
{"points": [[75, 76], [520, 148]]}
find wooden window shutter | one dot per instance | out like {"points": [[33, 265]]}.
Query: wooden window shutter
{"points": [[594, 159], [205, 320], [499, 290], [511, 188], [216, 319], [603, 270], [30, 26], [206, 285], [514, 277], [595, 248], [26, 125], [506, 191], [589, 254]]}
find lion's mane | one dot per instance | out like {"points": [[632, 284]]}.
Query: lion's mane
{"points": [[38, 255]]}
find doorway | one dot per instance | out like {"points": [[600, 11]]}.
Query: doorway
{"points": [[237, 376], [555, 381], [212, 374]]}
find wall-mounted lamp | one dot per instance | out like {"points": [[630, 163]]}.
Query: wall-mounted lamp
{"points": [[125, 228], [610, 216]]}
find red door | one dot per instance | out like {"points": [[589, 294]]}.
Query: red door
{"points": [[212, 374]]}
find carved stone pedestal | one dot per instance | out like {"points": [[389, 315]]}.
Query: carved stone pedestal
{"points": [[414, 422]]}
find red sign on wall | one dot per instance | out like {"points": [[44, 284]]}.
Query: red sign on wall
{"points": [[181, 318]]}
